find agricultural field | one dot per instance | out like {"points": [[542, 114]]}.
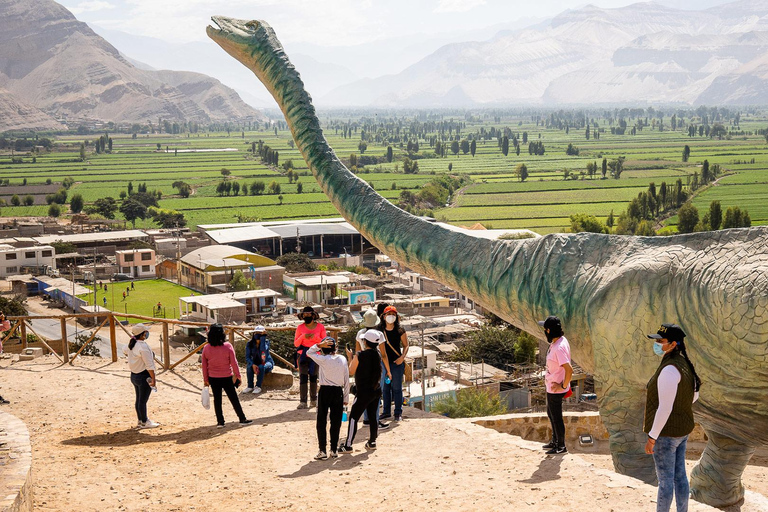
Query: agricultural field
{"points": [[495, 197]]}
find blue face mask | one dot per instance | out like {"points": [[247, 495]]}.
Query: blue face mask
{"points": [[658, 348]]}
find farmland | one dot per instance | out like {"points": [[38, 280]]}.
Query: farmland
{"points": [[496, 197]]}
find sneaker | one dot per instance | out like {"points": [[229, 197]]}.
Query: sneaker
{"points": [[140, 424], [4, 401], [150, 424], [247, 390], [558, 450], [399, 418], [246, 422], [385, 416], [303, 405], [383, 426], [321, 455], [313, 403], [549, 445], [256, 390], [334, 454], [345, 449], [370, 445], [219, 425]]}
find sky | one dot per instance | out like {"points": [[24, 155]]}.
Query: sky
{"points": [[328, 22]]}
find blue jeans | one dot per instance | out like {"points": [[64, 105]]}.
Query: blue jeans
{"points": [[393, 390], [141, 386], [263, 369], [669, 456]]}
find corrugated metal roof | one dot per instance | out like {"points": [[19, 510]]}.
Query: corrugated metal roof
{"points": [[226, 236], [101, 236]]}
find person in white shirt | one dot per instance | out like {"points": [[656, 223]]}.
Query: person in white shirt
{"points": [[141, 362], [333, 394]]}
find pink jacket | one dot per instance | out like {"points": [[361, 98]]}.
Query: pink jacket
{"points": [[220, 362], [316, 335], [4, 326]]}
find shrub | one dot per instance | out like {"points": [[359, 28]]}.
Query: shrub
{"points": [[469, 403], [90, 350]]}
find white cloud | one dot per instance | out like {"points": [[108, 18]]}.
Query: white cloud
{"points": [[91, 6], [458, 5]]}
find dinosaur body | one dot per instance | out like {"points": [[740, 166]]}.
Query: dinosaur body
{"points": [[608, 290]]}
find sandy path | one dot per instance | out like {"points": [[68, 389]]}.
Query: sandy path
{"points": [[87, 456]]}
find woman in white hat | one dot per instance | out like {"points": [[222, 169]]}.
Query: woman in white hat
{"points": [[141, 361]]}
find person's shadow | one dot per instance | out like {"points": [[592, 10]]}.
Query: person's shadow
{"points": [[548, 470], [344, 462], [136, 436]]}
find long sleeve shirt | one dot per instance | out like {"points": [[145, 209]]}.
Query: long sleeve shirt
{"points": [[306, 337], [4, 326], [334, 370], [140, 357], [669, 378], [220, 361]]}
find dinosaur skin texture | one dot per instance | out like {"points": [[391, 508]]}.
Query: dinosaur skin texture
{"points": [[609, 291]]}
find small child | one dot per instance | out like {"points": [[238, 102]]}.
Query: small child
{"points": [[333, 394]]}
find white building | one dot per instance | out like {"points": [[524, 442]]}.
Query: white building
{"points": [[20, 260]]}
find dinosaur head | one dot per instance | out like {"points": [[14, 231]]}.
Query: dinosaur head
{"points": [[247, 41]]}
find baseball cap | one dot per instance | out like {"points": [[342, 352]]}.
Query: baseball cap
{"points": [[139, 329], [259, 328], [672, 332], [389, 309], [373, 336], [552, 323]]}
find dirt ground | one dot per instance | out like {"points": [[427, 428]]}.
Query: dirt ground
{"points": [[87, 455]]}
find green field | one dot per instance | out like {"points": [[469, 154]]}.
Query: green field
{"points": [[495, 197], [142, 299]]}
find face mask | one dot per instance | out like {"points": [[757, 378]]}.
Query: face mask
{"points": [[658, 348], [551, 337], [308, 319], [390, 319]]}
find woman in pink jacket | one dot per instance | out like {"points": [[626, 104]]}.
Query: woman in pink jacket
{"points": [[5, 324], [221, 372]]}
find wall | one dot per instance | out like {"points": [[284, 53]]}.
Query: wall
{"points": [[16, 474], [535, 426]]}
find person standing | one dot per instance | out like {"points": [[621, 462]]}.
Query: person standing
{"points": [[258, 359], [371, 318], [397, 348], [670, 395], [141, 361], [366, 367], [221, 372], [558, 381], [5, 324], [311, 332], [333, 394]]}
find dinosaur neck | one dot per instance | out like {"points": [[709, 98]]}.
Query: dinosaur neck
{"points": [[479, 268]]}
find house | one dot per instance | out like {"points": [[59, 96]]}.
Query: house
{"points": [[232, 307], [20, 260], [316, 287], [211, 268], [138, 263]]}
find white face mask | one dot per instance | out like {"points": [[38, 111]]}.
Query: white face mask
{"points": [[390, 319]]}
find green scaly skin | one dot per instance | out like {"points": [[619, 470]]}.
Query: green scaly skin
{"points": [[608, 290]]}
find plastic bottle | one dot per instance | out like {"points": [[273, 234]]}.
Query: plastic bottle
{"points": [[149, 381], [387, 380], [344, 416]]}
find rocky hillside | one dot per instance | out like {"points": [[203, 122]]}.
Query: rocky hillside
{"points": [[52, 64], [643, 52]]}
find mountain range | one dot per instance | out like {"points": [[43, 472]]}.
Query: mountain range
{"points": [[642, 53], [55, 71]]}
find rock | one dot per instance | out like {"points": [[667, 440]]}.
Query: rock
{"points": [[278, 378]]}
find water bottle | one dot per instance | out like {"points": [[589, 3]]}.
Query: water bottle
{"points": [[344, 415], [387, 380], [149, 381]]}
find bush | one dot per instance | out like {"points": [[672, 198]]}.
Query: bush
{"points": [[469, 403], [494, 345], [296, 262], [90, 350], [12, 307]]}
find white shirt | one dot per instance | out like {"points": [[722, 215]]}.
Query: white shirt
{"points": [[334, 370], [667, 383], [140, 358]]}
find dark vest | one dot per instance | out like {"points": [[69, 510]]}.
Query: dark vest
{"points": [[680, 422]]}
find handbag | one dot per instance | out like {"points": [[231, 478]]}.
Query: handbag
{"points": [[205, 398]]}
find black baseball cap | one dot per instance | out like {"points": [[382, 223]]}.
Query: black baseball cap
{"points": [[552, 323], [672, 332]]}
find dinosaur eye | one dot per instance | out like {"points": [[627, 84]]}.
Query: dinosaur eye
{"points": [[253, 24]]}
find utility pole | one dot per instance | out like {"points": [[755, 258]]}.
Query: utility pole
{"points": [[423, 370], [178, 253]]}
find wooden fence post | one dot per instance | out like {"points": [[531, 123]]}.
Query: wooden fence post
{"points": [[166, 347], [112, 337], [64, 342], [24, 333]]}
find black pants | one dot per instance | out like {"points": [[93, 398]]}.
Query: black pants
{"points": [[226, 384], [555, 414], [364, 401], [307, 373], [142, 389], [330, 398]]}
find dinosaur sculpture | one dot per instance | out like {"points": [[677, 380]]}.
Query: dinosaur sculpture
{"points": [[608, 290]]}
